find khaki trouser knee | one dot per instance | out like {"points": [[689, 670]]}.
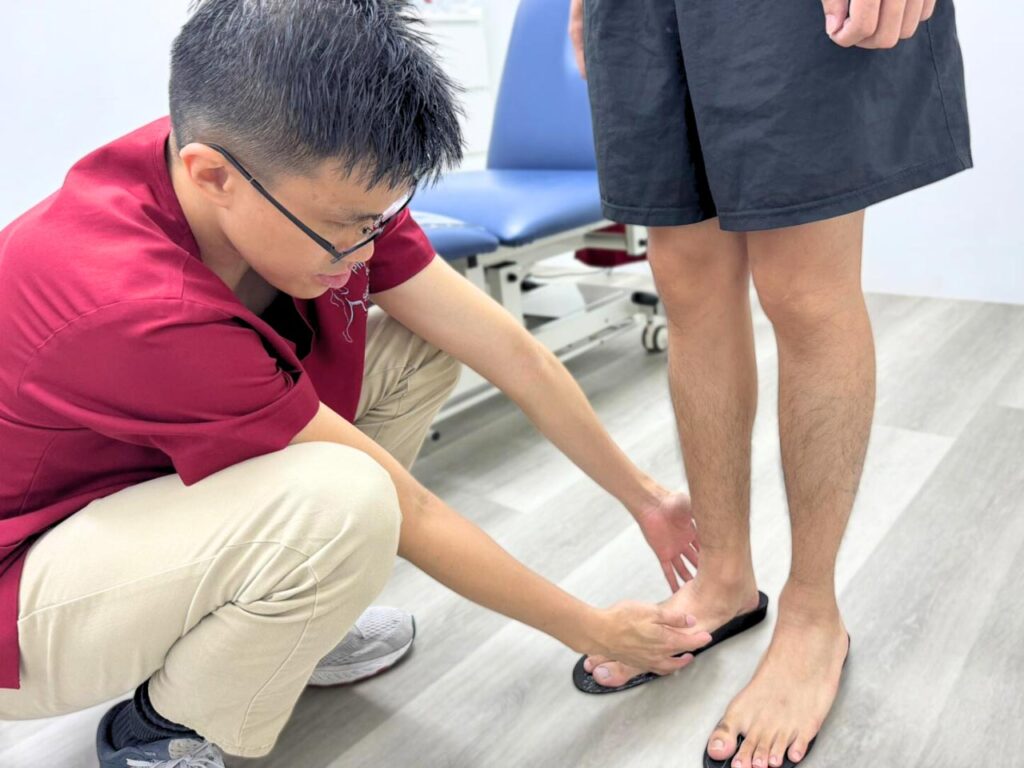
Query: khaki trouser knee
{"points": [[225, 594]]}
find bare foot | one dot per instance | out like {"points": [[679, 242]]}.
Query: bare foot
{"points": [[785, 703], [711, 604]]}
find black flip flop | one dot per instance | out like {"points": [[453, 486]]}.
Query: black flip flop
{"points": [[585, 682], [710, 762]]}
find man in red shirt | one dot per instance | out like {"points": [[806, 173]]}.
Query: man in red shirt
{"points": [[204, 434]]}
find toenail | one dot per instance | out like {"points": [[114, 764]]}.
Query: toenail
{"points": [[737, 763], [602, 673], [796, 756], [717, 744]]}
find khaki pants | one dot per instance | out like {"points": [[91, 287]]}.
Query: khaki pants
{"points": [[227, 593]]}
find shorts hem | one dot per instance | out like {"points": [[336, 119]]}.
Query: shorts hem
{"points": [[848, 202], [654, 217]]}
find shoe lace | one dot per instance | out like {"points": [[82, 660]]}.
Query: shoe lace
{"points": [[205, 756]]}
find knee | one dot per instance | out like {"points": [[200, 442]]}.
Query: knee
{"points": [[337, 490], [695, 267], [803, 302], [790, 306]]}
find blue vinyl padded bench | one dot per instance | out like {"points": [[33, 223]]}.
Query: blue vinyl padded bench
{"points": [[538, 197]]}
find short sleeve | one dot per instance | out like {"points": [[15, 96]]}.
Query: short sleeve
{"points": [[203, 387], [400, 253]]}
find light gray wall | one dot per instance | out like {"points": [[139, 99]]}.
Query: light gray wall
{"points": [[964, 237], [76, 73]]}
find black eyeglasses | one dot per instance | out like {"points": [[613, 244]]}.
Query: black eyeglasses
{"points": [[378, 226]]}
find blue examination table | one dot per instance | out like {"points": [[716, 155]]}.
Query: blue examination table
{"points": [[538, 197]]}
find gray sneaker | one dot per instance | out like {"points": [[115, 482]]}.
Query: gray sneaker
{"points": [[168, 753], [378, 640]]}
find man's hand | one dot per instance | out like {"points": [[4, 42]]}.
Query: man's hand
{"points": [[672, 533], [576, 33], [874, 23], [648, 635]]}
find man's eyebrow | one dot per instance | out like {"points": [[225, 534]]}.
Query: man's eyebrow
{"points": [[349, 215]]}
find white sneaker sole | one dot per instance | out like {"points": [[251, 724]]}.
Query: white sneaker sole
{"points": [[325, 677]]}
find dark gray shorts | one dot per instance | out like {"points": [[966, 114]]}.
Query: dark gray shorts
{"points": [[746, 110]]}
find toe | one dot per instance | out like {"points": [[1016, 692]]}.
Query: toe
{"points": [[722, 743], [798, 749], [745, 753], [777, 750], [760, 754], [593, 661], [613, 674]]}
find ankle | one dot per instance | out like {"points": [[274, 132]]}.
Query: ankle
{"points": [[138, 722], [725, 571], [809, 602]]}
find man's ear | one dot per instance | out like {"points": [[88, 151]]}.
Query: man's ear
{"points": [[210, 173]]}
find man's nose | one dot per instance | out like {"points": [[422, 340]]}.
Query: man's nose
{"points": [[365, 253]]}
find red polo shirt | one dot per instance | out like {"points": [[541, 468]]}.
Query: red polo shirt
{"points": [[123, 357]]}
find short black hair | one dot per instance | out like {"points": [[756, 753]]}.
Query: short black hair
{"points": [[288, 84]]}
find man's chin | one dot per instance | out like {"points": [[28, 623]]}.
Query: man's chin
{"points": [[313, 288], [315, 292], [305, 291]]}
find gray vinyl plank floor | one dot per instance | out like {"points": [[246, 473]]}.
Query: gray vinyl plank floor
{"points": [[928, 578]]}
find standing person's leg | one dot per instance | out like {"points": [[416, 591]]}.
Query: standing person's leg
{"points": [[809, 281], [703, 278], [652, 173], [222, 594], [750, 113]]}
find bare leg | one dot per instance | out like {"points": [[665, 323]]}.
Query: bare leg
{"points": [[703, 278], [808, 279]]}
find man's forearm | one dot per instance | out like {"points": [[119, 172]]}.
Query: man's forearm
{"points": [[554, 402], [458, 554], [473, 328], [455, 552]]}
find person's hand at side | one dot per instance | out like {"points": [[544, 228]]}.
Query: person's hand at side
{"points": [[874, 23], [576, 34]]}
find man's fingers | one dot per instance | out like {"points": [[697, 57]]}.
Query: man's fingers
{"points": [[911, 18], [673, 665], [836, 12], [576, 35], [581, 63], [890, 22], [681, 569], [670, 577], [674, 618], [693, 556], [861, 24], [681, 642], [928, 10]]}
